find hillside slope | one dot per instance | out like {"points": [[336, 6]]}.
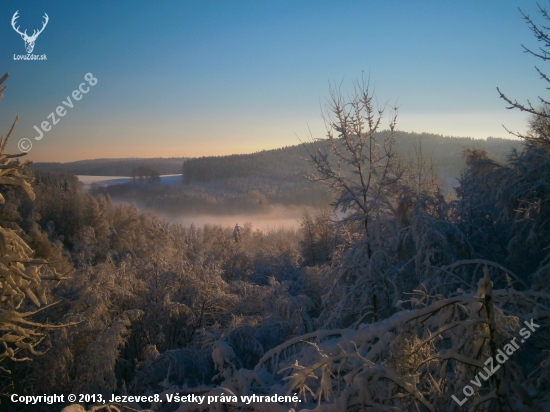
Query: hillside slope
{"points": [[281, 162], [253, 183]]}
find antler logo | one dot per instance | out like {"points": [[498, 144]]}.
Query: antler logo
{"points": [[29, 40]]}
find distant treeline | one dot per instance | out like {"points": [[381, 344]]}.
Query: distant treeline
{"points": [[446, 151], [286, 162], [113, 167], [252, 183], [280, 163]]}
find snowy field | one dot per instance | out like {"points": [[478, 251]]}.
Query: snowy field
{"points": [[111, 180]]}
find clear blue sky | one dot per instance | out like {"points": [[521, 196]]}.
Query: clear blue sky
{"points": [[191, 78]]}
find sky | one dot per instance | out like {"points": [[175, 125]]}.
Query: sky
{"points": [[205, 77]]}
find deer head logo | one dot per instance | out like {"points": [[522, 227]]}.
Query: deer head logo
{"points": [[29, 40]]}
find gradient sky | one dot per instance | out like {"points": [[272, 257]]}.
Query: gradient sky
{"points": [[203, 77]]}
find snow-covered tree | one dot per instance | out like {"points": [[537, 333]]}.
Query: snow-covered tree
{"points": [[23, 292]]}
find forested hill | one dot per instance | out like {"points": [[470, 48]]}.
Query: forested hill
{"points": [[252, 183], [286, 162], [283, 162], [112, 167]]}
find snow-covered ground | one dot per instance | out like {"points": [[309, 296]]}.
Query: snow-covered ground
{"points": [[111, 180]]}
